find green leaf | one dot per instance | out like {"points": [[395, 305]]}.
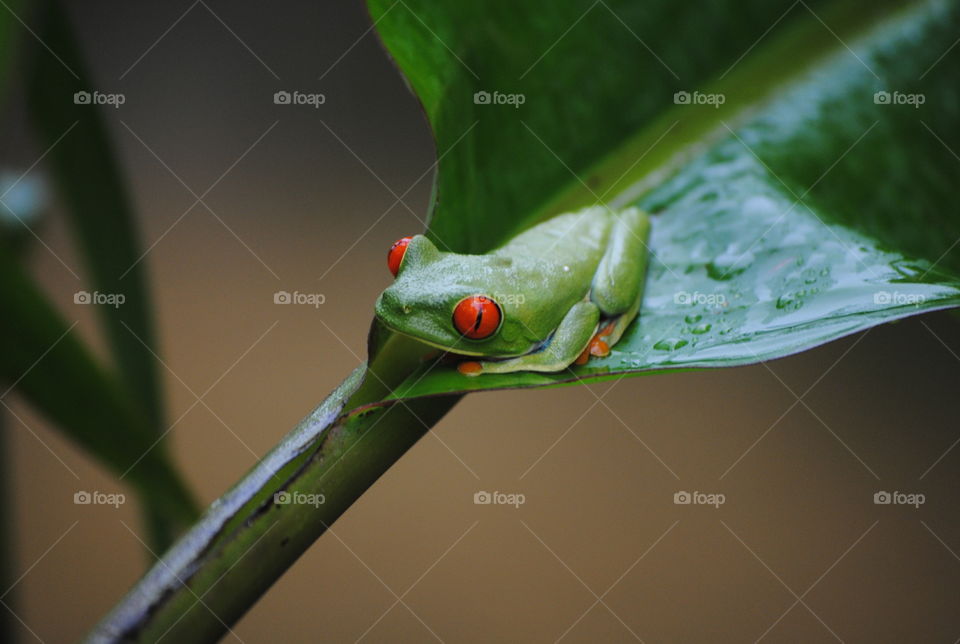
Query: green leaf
{"points": [[799, 211], [99, 209], [8, 625], [97, 201], [42, 358], [8, 38]]}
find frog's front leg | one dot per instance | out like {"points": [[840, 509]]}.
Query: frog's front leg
{"points": [[564, 346]]}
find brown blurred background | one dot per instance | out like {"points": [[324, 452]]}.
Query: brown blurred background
{"points": [[798, 552]]}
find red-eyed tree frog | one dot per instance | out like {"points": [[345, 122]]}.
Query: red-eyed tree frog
{"points": [[552, 296]]}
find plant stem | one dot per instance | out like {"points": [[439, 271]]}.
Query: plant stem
{"points": [[249, 537]]}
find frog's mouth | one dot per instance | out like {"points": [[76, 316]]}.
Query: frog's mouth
{"points": [[461, 348]]}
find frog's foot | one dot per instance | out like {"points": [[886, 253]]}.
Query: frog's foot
{"points": [[599, 345], [470, 368], [599, 348]]}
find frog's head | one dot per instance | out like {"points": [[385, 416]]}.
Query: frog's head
{"points": [[447, 300]]}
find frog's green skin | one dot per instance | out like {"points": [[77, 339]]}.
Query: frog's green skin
{"points": [[555, 283]]}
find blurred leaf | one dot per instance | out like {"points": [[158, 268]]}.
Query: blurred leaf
{"points": [[21, 198], [775, 238], [42, 358], [96, 199], [8, 626], [12, 234], [99, 208], [8, 38]]}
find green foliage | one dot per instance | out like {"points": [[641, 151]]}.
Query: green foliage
{"points": [[797, 211], [114, 412], [94, 191], [804, 211]]}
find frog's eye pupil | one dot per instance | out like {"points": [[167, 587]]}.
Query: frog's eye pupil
{"points": [[477, 317], [397, 251]]}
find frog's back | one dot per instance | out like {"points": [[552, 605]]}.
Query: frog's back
{"points": [[576, 239]]}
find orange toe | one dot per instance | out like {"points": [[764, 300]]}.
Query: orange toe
{"points": [[599, 348], [469, 368]]}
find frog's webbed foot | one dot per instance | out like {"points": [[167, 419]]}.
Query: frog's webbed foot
{"points": [[470, 368], [599, 345]]}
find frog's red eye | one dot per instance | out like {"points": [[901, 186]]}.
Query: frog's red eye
{"points": [[395, 256], [476, 317]]}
